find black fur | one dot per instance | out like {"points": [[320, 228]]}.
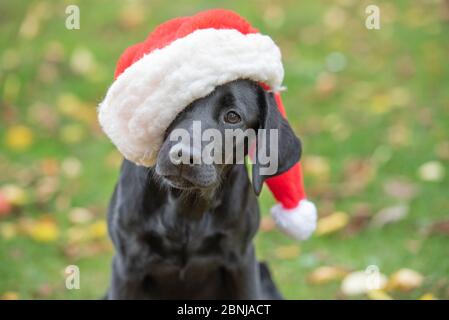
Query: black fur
{"points": [[186, 231]]}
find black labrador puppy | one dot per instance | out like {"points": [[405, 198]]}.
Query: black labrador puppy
{"points": [[186, 231]]}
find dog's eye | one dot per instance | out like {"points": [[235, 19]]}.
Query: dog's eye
{"points": [[232, 117]]}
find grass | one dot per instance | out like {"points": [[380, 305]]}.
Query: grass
{"points": [[378, 119]]}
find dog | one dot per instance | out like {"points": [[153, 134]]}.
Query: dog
{"points": [[185, 231]]}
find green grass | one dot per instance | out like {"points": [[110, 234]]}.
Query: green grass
{"points": [[387, 109]]}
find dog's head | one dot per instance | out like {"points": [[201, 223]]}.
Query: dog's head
{"points": [[206, 139]]}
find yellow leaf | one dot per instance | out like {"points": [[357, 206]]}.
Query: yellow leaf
{"points": [[326, 274], [132, 15], [428, 296], [332, 223], [72, 106], [72, 133], [14, 194], [405, 280], [98, 230], [8, 230], [77, 235], [378, 295], [19, 137], [44, 231], [287, 252], [9, 295], [381, 103], [316, 166]]}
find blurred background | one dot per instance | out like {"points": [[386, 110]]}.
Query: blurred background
{"points": [[372, 108]]}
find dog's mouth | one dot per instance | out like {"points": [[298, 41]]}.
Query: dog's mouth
{"points": [[206, 179], [179, 183]]}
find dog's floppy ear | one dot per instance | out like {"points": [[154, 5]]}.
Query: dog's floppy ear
{"points": [[289, 148]]}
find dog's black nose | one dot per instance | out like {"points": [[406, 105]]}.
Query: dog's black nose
{"points": [[181, 154], [182, 167]]}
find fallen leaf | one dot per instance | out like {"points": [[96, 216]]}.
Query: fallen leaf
{"points": [[47, 73], [71, 167], [381, 103], [49, 167], [54, 52], [334, 18], [44, 116], [405, 280], [361, 282], [114, 159], [80, 215], [19, 138], [82, 61], [68, 104], [399, 135], [332, 223], [44, 291], [287, 252], [8, 230], [77, 235], [76, 250], [267, 224], [400, 96], [432, 171], [62, 202], [316, 166], [428, 296], [44, 230], [357, 174], [413, 246], [325, 84], [442, 150], [325, 274], [405, 66], [14, 194], [34, 17], [98, 230], [10, 295], [378, 295], [400, 189], [72, 133], [389, 215], [439, 227], [132, 15], [5, 205], [359, 220], [337, 127], [274, 16], [46, 188]]}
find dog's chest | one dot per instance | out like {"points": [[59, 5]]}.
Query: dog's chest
{"points": [[179, 244]]}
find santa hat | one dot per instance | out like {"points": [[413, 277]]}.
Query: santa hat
{"points": [[185, 59]]}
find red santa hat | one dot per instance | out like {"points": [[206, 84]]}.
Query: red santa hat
{"points": [[185, 59]]}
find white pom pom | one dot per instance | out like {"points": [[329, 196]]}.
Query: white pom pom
{"points": [[299, 222]]}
